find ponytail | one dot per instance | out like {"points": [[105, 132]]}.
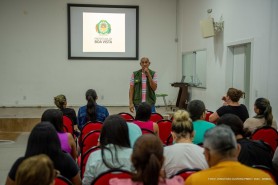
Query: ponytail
{"points": [[152, 171], [268, 115], [91, 109], [265, 110]]}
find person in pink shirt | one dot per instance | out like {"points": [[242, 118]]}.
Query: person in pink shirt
{"points": [[142, 118], [147, 159]]}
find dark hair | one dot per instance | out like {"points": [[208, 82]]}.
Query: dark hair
{"points": [[233, 121], [265, 110], [235, 94], [91, 97], [143, 112], [115, 132], [60, 101], [43, 139], [182, 124], [147, 159], [196, 108], [35, 170], [55, 117]]}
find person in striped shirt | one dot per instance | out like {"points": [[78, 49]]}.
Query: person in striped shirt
{"points": [[143, 84]]}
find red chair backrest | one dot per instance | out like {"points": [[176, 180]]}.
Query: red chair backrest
{"points": [[84, 158], [185, 173], [147, 131], [103, 178], [165, 128], [90, 126], [61, 180], [208, 113], [68, 124], [268, 135], [128, 117], [155, 117], [89, 141]]}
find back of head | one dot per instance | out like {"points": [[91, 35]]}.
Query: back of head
{"points": [[35, 170], [196, 109], [182, 125], [91, 97], [147, 158], [235, 94], [43, 139], [221, 140], [233, 121], [114, 131], [143, 112], [55, 117], [265, 110], [60, 101]]}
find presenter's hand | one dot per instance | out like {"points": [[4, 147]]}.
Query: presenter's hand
{"points": [[131, 108]]}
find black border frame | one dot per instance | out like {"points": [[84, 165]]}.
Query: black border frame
{"points": [[69, 5]]}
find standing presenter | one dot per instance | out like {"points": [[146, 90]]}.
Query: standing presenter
{"points": [[143, 84]]}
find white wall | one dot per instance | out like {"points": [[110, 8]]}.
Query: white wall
{"points": [[33, 54], [244, 20]]}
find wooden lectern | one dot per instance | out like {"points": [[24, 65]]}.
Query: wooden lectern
{"points": [[182, 99]]}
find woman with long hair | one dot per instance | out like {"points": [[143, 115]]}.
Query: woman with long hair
{"points": [[183, 154], [147, 159], [114, 150], [55, 117], [92, 111], [231, 105], [61, 102], [263, 116], [43, 139]]}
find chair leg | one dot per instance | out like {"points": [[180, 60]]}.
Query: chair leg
{"points": [[165, 103]]}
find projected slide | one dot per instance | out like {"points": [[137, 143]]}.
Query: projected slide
{"points": [[103, 32]]}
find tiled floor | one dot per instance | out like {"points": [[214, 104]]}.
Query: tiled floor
{"points": [[10, 151]]}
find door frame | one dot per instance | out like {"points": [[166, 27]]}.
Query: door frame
{"points": [[228, 82]]}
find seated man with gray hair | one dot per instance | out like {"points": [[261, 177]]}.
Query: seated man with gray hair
{"points": [[221, 152]]}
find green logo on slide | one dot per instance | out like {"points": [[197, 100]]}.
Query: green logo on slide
{"points": [[103, 27]]}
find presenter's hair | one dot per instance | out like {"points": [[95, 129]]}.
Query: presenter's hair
{"points": [[147, 159], [35, 170], [91, 97]]}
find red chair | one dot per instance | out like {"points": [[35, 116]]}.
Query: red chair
{"points": [[88, 127], [165, 128], [61, 180], [68, 125], [208, 113], [128, 117], [104, 178], [185, 173], [267, 134], [89, 141], [147, 131], [84, 159], [155, 117]]}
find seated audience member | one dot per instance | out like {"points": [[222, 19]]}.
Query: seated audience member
{"points": [[61, 102], [147, 159], [263, 117], [134, 132], [55, 117], [252, 152], [183, 154], [36, 170], [114, 150], [142, 118], [221, 152], [232, 106], [275, 160], [92, 111], [43, 139], [197, 111]]}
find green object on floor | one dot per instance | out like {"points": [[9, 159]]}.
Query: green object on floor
{"points": [[164, 99]]}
